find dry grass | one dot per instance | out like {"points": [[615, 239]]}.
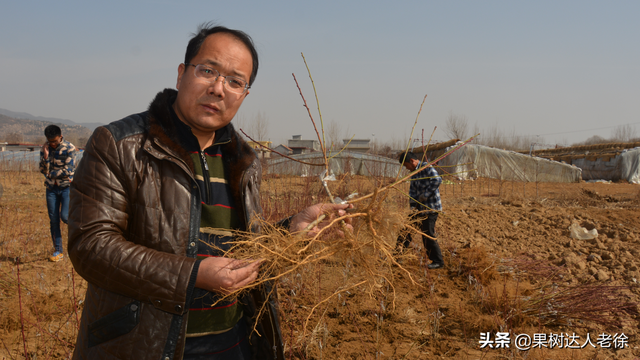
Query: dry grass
{"points": [[365, 251], [40, 301]]}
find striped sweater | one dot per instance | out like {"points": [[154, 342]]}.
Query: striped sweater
{"points": [[207, 314]]}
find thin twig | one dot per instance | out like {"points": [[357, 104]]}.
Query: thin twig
{"points": [[324, 153], [322, 142], [411, 135]]}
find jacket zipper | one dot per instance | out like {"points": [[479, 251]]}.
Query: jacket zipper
{"points": [[205, 174]]}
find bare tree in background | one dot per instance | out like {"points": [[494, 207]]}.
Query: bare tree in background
{"points": [[624, 133], [493, 137], [343, 139], [259, 127], [333, 136], [391, 148], [456, 126], [240, 123], [595, 139], [500, 138], [475, 131]]}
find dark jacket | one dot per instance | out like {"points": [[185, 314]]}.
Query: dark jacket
{"points": [[134, 220]]}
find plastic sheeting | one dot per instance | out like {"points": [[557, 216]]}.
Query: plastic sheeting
{"points": [[630, 165], [624, 166], [473, 161], [345, 162]]}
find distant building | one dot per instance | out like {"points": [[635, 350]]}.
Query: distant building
{"points": [[282, 149], [259, 147], [20, 147], [357, 145], [299, 146]]}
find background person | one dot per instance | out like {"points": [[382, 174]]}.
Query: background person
{"points": [[145, 188], [57, 164], [425, 204]]}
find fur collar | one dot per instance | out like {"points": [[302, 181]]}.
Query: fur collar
{"points": [[237, 154]]}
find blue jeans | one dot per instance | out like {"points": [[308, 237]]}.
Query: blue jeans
{"points": [[58, 207]]}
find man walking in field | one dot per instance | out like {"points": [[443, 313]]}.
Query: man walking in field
{"points": [[146, 190], [424, 200], [57, 165]]}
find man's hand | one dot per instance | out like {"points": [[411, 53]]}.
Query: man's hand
{"points": [[226, 275], [45, 150], [305, 217]]}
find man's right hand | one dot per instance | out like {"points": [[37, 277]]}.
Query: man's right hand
{"points": [[45, 150], [226, 275]]}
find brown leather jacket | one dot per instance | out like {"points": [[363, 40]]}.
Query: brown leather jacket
{"points": [[134, 219]]}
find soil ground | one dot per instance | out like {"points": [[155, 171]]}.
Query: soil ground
{"points": [[511, 267], [504, 254]]}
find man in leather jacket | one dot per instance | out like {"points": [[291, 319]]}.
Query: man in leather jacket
{"points": [[145, 187]]}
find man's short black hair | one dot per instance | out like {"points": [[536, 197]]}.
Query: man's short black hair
{"points": [[52, 131], [407, 156], [210, 28]]}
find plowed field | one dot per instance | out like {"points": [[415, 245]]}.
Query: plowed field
{"points": [[513, 272]]}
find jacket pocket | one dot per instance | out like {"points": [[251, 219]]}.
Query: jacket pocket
{"points": [[117, 323]]}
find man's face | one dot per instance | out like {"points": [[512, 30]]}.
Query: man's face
{"points": [[411, 164], [54, 142], [207, 107]]}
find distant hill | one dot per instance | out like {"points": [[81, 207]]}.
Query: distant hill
{"points": [[28, 131], [23, 115]]}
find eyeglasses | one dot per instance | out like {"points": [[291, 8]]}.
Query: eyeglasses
{"points": [[211, 75], [55, 141]]}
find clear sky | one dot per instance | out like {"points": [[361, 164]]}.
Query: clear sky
{"points": [[565, 70]]}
